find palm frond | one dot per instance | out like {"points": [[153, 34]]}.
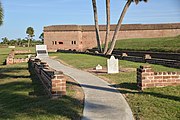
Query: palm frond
{"points": [[137, 1]]}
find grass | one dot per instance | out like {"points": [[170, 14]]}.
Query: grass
{"points": [[82, 61], [152, 103], [168, 44], [15, 102], [5, 51], [79, 60]]}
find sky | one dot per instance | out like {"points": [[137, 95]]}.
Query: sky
{"points": [[21, 14]]}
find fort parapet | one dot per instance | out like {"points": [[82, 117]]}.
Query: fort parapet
{"points": [[82, 37]]}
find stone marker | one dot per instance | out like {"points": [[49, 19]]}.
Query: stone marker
{"points": [[124, 54], [29, 56], [12, 47], [98, 67], [112, 65], [147, 56], [41, 51]]}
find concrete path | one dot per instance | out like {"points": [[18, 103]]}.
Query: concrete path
{"points": [[102, 102]]}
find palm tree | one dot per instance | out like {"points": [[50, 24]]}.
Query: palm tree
{"points": [[96, 25], [128, 3], [30, 32], [1, 14], [107, 26]]}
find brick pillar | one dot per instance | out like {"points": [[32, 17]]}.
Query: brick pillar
{"points": [[144, 76], [9, 61], [58, 84], [44, 65]]}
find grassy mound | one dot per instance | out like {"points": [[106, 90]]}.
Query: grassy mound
{"points": [[168, 44]]}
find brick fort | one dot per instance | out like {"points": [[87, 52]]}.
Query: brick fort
{"points": [[82, 37]]}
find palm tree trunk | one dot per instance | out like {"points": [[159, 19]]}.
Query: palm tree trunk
{"points": [[96, 25], [28, 42], [118, 27], [107, 26], [1, 14]]}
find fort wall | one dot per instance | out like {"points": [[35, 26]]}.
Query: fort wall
{"points": [[83, 37], [63, 40]]}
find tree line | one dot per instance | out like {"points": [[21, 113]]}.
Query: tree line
{"points": [[19, 42], [27, 42]]}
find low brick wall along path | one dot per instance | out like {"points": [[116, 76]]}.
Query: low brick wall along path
{"points": [[102, 102], [53, 81], [147, 78]]}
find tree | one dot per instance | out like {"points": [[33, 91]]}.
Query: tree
{"points": [[5, 41], [113, 42], [1, 14], [42, 37], [96, 25], [107, 26], [30, 33], [19, 42]]}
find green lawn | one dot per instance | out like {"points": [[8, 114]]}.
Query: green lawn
{"points": [[153, 103], [169, 44], [5, 51], [82, 61], [15, 102]]}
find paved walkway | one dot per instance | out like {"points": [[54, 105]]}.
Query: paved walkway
{"points": [[102, 102]]}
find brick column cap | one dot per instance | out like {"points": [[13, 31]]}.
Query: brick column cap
{"points": [[58, 72], [145, 66]]}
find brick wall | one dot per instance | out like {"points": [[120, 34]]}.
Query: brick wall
{"points": [[63, 40], [172, 60], [148, 54], [21, 51], [85, 35], [53, 81], [20, 60], [12, 60], [147, 78]]}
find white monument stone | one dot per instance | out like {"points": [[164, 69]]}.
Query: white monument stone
{"points": [[29, 56], [112, 65], [41, 51], [11, 47], [98, 67]]}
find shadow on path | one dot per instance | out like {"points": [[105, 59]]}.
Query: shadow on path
{"points": [[96, 87]]}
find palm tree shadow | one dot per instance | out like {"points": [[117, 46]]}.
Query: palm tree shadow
{"points": [[132, 88], [15, 101], [3, 76], [32, 107], [11, 69]]}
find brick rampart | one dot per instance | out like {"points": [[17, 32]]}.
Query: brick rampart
{"points": [[82, 37], [147, 78], [124, 27], [53, 81]]}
